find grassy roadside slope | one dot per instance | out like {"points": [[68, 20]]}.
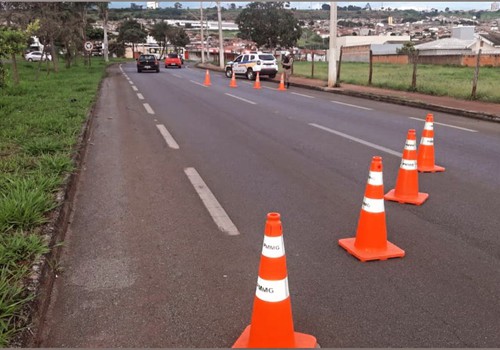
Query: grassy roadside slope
{"points": [[437, 80], [40, 121]]}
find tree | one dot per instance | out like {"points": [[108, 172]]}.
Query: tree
{"points": [[407, 49], [160, 33], [178, 37], [94, 33], [268, 24], [178, 5], [131, 32], [325, 7], [233, 6], [12, 42]]}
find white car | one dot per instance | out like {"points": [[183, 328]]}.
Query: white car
{"points": [[37, 56], [249, 64]]}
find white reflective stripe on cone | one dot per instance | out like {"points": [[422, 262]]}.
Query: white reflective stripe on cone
{"points": [[373, 205], [273, 247], [429, 126], [408, 164], [427, 141], [375, 178], [272, 291], [411, 145]]}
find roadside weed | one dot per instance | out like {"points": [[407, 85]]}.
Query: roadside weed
{"points": [[40, 121]]}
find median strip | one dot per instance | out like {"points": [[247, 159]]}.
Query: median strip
{"points": [[352, 138], [214, 208]]}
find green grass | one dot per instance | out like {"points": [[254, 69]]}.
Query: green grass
{"points": [[437, 80], [40, 121]]}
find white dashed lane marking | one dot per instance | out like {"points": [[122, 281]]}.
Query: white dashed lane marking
{"points": [[448, 125], [213, 206], [350, 105], [167, 136], [148, 108], [355, 139]]}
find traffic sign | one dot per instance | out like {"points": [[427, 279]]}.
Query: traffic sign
{"points": [[89, 46]]}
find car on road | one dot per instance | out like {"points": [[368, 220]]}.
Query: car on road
{"points": [[173, 60], [249, 64], [37, 56], [148, 62]]}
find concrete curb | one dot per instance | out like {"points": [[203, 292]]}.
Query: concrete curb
{"points": [[384, 98]]}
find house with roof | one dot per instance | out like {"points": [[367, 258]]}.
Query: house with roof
{"points": [[462, 42], [488, 43]]}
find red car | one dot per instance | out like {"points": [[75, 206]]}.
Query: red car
{"points": [[173, 60]]}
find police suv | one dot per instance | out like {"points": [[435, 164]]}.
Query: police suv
{"points": [[249, 64]]}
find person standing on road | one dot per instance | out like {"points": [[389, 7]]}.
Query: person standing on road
{"points": [[287, 63]]}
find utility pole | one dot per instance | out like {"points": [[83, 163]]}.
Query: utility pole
{"points": [[105, 39], [202, 38], [221, 38], [332, 55]]}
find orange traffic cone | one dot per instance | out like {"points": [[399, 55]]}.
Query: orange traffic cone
{"points": [[233, 81], [425, 157], [406, 190], [371, 242], [272, 324], [282, 83], [257, 82], [207, 79]]}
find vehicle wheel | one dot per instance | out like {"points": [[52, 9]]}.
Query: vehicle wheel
{"points": [[250, 74], [229, 73], [166, 66], [180, 67], [158, 70], [30, 60], [139, 71], [272, 76]]}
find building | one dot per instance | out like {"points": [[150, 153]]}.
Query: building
{"points": [[495, 6], [152, 5], [489, 43], [357, 48], [210, 25], [462, 42]]}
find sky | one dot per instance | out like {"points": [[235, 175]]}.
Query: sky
{"points": [[417, 5]]}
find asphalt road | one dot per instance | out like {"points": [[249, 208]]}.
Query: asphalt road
{"points": [[146, 265]]}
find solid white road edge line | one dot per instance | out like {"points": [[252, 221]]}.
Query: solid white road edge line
{"points": [[214, 208], [448, 125], [363, 142], [242, 99], [350, 105], [148, 108], [167, 136]]}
